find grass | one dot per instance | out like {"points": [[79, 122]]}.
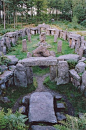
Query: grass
{"points": [[17, 50], [13, 93], [73, 94]]}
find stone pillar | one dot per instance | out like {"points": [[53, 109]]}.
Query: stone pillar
{"points": [[63, 73], [80, 52], [4, 50], [8, 45], [24, 45], [73, 44], [59, 48], [53, 72], [29, 74], [55, 37], [43, 37], [29, 37], [20, 78], [77, 48]]}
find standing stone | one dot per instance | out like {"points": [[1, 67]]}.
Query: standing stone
{"points": [[59, 48], [4, 50], [73, 44], [80, 67], [55, 37], [8, 45], [53, 72], [24, 45], [77, 48], [29, 73], [29, 54], [41, 108], [65, 35], [63, 73], [29, 37], [43, 37], [13, 41], [80, 52], [20, 78], [70, 42]]}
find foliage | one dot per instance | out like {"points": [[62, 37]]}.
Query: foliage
{"points": [[83, 23], [73, 94], [73, 123], [10, 121], [72, 64], [13, 93], [4, 60]]}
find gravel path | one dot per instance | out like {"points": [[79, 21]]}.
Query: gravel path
{"points": [[43, 88]]}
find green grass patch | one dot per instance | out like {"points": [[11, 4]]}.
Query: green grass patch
{"points": [[13, 93], [73, 94], [40, 70]]}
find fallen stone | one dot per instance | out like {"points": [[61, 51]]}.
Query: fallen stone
{"points": [[22, 109], [60, 106], [74, 74], [37, 127], [58, 97], [41, 108]]}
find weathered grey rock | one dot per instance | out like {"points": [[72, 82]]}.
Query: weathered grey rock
{"points": [[37, 127], [29, 54], [6, 76], [58, 97], [83, 85], [43, 37], [4, 50], [80, 52], [74, 74], [60, 116], [20, 78], [8, 45], [39, 61], [29, 73], [22, 109], [59, 48], [3, 68], [13, 59], [41, 108], [74, 57], [55, 37], [82, 60], [29, 37], [63, 73], [60, 106], [80, 67], [12, 67], [53, 72], [77, 48], [75, 78], [24, 45], [25, 100], [42, 51]]}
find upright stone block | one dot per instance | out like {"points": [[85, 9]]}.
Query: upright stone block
{"points": [[24, 45], [53, 72], [63, 73], [29, 37], [59, 48]]}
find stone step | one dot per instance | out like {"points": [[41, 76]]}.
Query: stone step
{"points": [[60, 116], [58, 97], [37, 127], [60, 107]]}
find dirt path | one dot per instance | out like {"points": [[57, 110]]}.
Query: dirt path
{"points": [[43, 88]]}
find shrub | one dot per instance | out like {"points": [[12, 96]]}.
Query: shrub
{"points": [[10, 121], [83, 23], [72, 64]]}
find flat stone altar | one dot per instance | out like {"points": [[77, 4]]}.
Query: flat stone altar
{"points": [[41, 108]]}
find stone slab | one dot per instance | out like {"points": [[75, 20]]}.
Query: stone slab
{"points": [[39, 61], [74, 74], [41, 108], [69, 57], [37, 127]]}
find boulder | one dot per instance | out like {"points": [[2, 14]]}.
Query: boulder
{"points": [[41, 108], [80, 67], [83, 85], [20, 78], [13, 59], [62, 73], [60, 116]]}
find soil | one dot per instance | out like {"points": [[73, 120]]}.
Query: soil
{"points": [[42, 88]]}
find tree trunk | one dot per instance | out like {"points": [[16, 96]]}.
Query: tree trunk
{"points": [[4, 14]]}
